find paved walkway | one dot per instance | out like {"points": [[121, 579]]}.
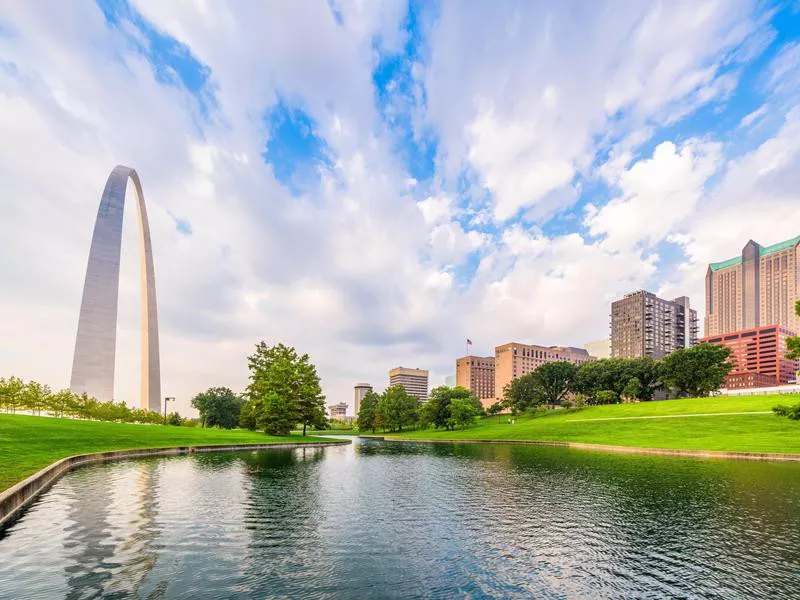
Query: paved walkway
{"points": [[718, 414]]}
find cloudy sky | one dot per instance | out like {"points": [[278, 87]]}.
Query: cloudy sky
{"points": [[374, 182]]}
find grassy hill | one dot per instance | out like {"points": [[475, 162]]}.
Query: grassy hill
{"points": [[693, 423], [28, 444]]}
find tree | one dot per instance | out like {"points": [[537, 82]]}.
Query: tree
{"points": [[218, 407], [280, 370], [462, 413], [35, 396], [367, 412], [397, 408], [606, 397], [547, 384], [175, 419], [696, 371], [633, 389], [11, 393], [793, 343], [247, 416], [438, 409], [494, 409], [277, 416]]}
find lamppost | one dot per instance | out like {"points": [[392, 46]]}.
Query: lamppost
{"points": [[167, 399]]}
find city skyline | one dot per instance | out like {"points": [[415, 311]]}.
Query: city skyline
{"points": [[416, 177]]}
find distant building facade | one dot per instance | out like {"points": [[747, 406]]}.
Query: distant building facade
{"points": [[450, 381], [338, 411], [514, 360], [476, 373], [642, 324], [599, 349], [759, 357], [414, 381], [759, 287], [361, 390]]}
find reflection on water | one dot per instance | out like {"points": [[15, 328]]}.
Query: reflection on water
{"points": [[381, 519]]}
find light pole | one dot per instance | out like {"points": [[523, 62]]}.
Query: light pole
{"points": [[167, 399]]}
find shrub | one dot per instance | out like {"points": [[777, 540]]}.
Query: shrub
{"points": [[792, 412], [607, 397]]}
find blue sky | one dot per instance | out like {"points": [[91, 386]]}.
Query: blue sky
{"points": [[381, 180]]}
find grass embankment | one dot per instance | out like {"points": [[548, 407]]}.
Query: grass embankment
{"points": [[28, 444], [667, 424]]}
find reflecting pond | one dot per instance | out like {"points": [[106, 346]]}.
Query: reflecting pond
{"points": [[398, 520]]}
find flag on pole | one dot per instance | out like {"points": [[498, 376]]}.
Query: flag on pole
{"points": [[469, 342]]}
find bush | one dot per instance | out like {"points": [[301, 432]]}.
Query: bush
{"points": [[607, 397], [792, 412]]}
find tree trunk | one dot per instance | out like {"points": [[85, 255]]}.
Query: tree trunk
{"points": [[304, 427]]}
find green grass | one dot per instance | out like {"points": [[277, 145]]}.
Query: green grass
{"points": [[28, 444], [742, 433]]}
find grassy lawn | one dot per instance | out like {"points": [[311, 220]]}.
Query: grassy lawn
{"points": [[745, 433], [29, 443]]}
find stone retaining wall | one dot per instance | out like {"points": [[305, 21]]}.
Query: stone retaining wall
{"points": [[16, 498], [761, 456]]}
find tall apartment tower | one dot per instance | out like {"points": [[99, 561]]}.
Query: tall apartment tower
{"points": [[758, 288], [476, 373], [415, 381], [361, 390], [515, 360], [642, 324]]}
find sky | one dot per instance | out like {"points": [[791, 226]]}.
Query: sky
{"points": [[375, 182]]}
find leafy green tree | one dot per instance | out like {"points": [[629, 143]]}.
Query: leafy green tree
{"points": [[367, 417], [437, 411], [793, 343], [494, 409], [277, 417], [174, 419], [792, 412], [633, 389], [218, 407], [280, 370], [11, 393], [397, 408], [35, 396], [547, 384], [606, 397], [696, 371], [462, 413], [247, 416]]}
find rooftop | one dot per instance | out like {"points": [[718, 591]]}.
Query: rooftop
{"points": [[765, 250]]}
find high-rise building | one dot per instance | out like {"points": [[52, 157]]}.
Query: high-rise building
{"points": [[450, 381], [642, 324], [599, 349], [759, 357], [759, 287], [514, 360], [361, 390], [415, 381], [476, 373], [338, 411]]}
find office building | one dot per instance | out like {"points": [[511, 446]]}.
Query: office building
{"points": [[361, 390], [415, 381], [476, 373], [599, 349], [338, 411], [642, 324], [759, 357], [450, 381], [759, 287], [514, 360]]}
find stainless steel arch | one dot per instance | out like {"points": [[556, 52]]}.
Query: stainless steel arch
{"points": [[95, 343]]}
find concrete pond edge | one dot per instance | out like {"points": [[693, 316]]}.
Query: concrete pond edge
{"points": [[707, 454], [18, 497]]}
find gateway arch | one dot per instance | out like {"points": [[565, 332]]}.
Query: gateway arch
{"points": [[95, 343]]}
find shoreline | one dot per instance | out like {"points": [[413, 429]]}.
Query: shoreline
{"points": [[677, 452], [16, 499]]}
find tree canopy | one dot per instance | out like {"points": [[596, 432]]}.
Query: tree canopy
{"points": [[218, 407], [547, 384], [438, 410], [281, 371], [397, 408], [367, 412], [696, 371]]}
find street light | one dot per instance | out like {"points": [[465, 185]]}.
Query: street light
{"points": [[167, 399]]}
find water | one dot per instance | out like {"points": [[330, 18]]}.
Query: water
{"points": [[386, 520]]}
